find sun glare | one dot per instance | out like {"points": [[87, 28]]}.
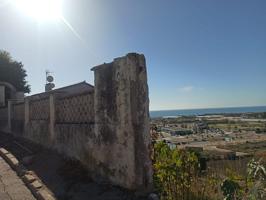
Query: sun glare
{"points": [[41, 10], [44, 10]]}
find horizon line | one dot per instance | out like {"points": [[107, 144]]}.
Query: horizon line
{"points": [[208, 108]]}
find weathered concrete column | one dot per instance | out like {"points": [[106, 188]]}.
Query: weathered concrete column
{"points": [[122, 122], [2, 95], [26, 113], [52, 116], [10, 114]]}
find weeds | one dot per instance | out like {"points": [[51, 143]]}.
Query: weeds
{"points": [[177, 176]]}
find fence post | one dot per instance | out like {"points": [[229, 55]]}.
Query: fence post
{"points": [[52, 115], [26, 113], [10, 114]]}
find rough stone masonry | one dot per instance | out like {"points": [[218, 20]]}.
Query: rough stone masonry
{"points": [[122, 121]]}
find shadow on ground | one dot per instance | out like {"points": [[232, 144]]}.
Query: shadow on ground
{"points": [[67, 179]]}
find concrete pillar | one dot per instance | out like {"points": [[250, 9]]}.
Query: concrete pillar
{"points": [[10, 114], [2, 95], [27, 112], [122, 121], [52, 116]]}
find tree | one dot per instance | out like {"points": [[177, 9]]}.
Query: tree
{"points": [[13, 72]]}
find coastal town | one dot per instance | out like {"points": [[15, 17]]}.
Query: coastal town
{"points": [[211, 133]]}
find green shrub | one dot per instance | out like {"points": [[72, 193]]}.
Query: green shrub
{"points": [[177, 176], [176, 171]]}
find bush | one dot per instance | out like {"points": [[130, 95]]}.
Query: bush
{"points": [[174, 171], [177, 176], [177, 173]]}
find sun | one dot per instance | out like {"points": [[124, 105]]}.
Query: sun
{"points": [[44, 10], [41, 10]]}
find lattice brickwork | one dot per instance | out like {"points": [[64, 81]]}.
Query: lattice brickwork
{"points": [[19, 110], [39, 109], [75, 109]]}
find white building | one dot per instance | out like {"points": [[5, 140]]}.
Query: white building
{"points": [[8, 92]]}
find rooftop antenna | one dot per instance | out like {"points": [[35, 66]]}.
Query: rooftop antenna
{"points": [[49, 81]]}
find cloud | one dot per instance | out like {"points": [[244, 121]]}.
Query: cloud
{"points": [[188, 88]]}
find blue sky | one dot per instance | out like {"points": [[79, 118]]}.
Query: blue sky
{"points": [[199, 53]]}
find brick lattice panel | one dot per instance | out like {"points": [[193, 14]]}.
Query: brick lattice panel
{"points": [[39, 109], [75, 109]]}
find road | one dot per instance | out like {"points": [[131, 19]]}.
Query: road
{"points": [[11, 186]]}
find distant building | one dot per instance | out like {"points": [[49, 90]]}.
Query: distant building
{"points": [[175, 132], [228, 139], [199, 127], [67, 90]]}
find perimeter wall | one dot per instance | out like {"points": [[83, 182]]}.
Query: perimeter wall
{"points": [[107, 128]]}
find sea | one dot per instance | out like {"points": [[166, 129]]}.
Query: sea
{"points": [[206, 111]]}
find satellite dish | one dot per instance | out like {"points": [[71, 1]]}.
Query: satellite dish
{"points": [[50, 79], [49, 86], [52, 85]]}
